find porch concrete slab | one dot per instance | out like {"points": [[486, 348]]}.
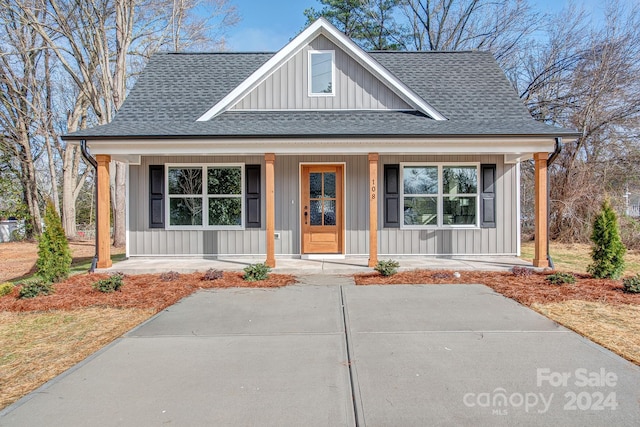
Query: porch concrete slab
{"points": [[280, 380], [348, 265], [397, 308], [449, 355], [247, 311]]}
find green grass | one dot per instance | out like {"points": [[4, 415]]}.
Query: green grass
{"points": [[77, 267], [576, 257], [84, 265]]}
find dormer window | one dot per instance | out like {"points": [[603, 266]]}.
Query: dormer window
{"points": [[321, 72]]}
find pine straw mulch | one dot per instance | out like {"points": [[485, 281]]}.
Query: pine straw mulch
{"points": [[145, 291], [527, 290]]}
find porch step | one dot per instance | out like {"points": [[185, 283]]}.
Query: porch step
{"points": [[325, 280]]}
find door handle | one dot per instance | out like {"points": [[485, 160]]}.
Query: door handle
{"points": [[305, 216]]}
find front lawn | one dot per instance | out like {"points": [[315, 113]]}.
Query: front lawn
{"points": [[577, 256]]}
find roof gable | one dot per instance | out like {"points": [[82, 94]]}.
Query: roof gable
{"points": [[322, 27], [354, 87]]}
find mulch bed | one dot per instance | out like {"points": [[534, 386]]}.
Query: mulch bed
{"points": [[526, 290], [147, 291], [151, 291]]}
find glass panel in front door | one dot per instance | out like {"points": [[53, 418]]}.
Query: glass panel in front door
{"points": [[316, 212], [315, 185], [322, 198]]}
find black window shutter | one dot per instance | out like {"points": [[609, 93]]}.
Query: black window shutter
{"points": [[488, 196], [156, 196], [252, 196], [392, 196]]}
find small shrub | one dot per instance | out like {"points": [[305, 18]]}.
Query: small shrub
{"points": [[110, 284], [521, 271], [6, 288], [212, 274], [608, 251], [442, 275], [387, 268], [561, 278], [256, 272], [35, 288], [632, 284], [170, 276], [54, 256]]}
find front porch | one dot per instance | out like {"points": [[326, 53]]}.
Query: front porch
{"points": [[370, 239]]}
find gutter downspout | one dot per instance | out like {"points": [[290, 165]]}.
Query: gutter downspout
{"points": [[550, 160], [87, 156]]}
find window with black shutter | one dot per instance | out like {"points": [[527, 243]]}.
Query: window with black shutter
{"points": [[156, 196], [392, 196], [488, 196], [252, 197]]}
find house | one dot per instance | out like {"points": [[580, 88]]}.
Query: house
{"points": [[322, 149]]}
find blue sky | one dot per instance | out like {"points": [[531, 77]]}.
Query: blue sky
{"points": [[267, 25]]}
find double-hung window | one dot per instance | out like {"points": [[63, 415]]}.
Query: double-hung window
{"points": [[321, 73], [439, 195], [205, 196]]}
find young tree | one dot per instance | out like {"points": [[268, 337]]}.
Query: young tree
{"points": [[608, 251], [54, 255]]}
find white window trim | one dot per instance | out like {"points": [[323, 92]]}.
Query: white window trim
{"points": [[333, 74], [205, 197], [439, 197]]}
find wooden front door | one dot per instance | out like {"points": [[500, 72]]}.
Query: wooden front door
{"points": [[322, 209]]}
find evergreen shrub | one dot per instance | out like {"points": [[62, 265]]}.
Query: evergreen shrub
{"points": [[608, 250]]}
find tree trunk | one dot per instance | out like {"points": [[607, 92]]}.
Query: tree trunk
{"points": [[69, 179], [49, 133], [30, 187]]}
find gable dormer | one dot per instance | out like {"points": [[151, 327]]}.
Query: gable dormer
{"points": [[322, 69], [321, 76]]}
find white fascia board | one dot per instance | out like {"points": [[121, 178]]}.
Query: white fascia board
{"points": [[324, 27], [508, 146]]}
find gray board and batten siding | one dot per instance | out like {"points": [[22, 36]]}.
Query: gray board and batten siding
{"points": [[355, 87], [146, 241]]}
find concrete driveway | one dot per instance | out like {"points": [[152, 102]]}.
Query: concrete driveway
{"points": [[342, 355]]}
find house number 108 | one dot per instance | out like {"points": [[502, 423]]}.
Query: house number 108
{"points": [[373, 189]]}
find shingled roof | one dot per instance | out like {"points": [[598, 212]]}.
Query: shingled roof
{"points": [[175, 89]]}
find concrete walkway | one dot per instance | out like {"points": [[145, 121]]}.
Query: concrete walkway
{"points": [[308, 355]]}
